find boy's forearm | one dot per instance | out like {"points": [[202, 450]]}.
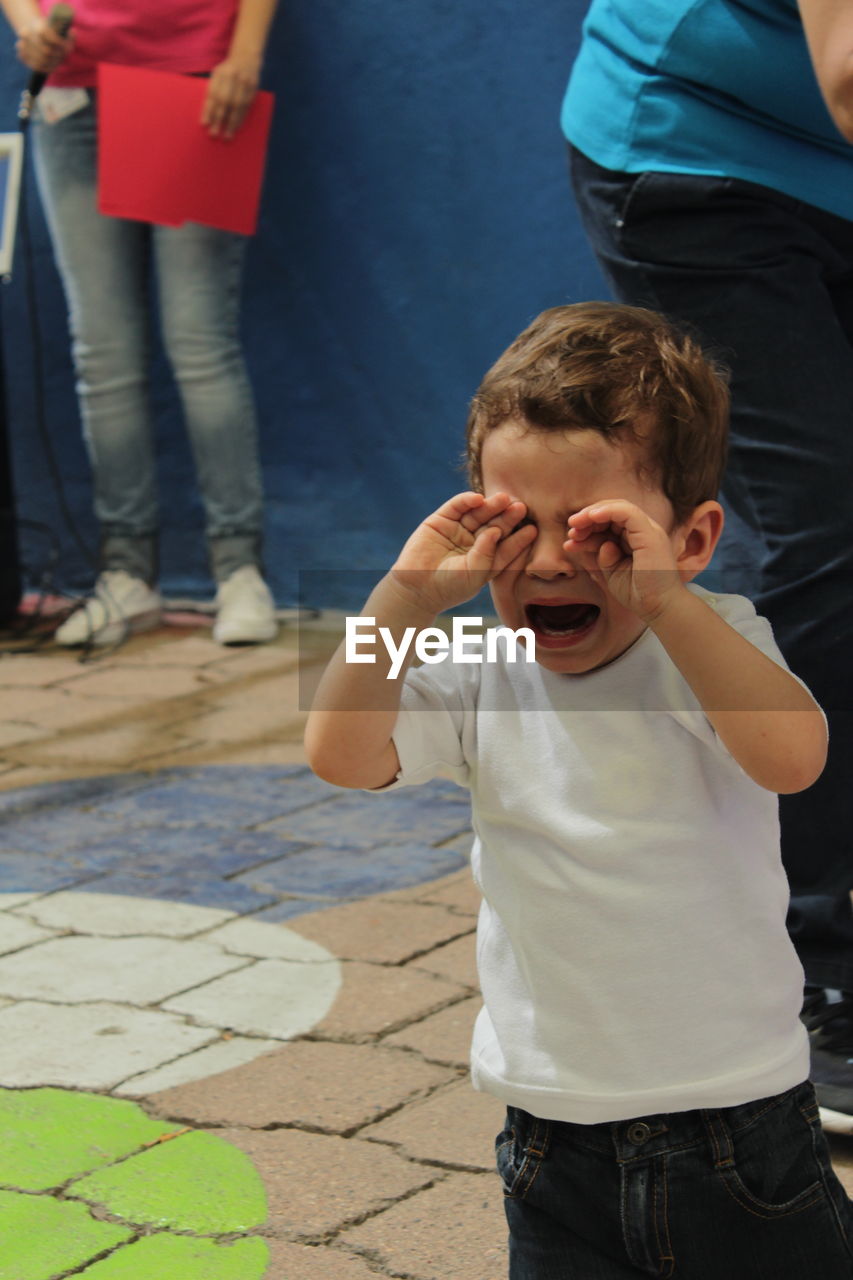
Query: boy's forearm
{"points": [[348, 735], [768, 721]]}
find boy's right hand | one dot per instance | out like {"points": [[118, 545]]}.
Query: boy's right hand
{"points": [[468, 541]]}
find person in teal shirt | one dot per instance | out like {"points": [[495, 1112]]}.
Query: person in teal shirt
{"points": [[713, 167]]}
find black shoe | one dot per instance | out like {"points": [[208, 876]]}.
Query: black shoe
{"points": [[828, 1015]]}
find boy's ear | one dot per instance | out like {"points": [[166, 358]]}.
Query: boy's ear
{"points": [[700, 534]]}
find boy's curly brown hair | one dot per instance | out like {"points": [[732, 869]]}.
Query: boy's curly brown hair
{"points": [[625, 372]]}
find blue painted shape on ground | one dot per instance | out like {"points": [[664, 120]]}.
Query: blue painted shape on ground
{"points": [[74, 791], [292, 787], [159, 851], [356, 873], [196, 891], [56, 831], [29, 873], [287, 908], [191, 802], [355, 820], [273, 841]]}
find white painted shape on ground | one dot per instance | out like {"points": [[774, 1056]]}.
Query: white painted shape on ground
{"points": [[16, 933], [276, 997], [281, 986], [253, 938], [10, 900], [88, 1046], [139, 970], [220, 1056], [119, 916]]}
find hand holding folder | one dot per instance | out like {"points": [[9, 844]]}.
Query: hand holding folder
{"points": [[156, 163]]}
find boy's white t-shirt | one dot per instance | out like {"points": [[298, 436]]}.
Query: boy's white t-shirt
{"points": [[631, 944]]}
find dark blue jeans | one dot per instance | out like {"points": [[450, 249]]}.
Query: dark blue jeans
{"points": [[741, 1193], [767, 282]]}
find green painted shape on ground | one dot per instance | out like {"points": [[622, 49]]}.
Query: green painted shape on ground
{"points": [[172, 1257], [51, 1135], [196, 1183], [42, 1237]]}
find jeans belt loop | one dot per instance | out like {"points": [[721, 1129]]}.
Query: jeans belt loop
{"points": [[724, 1155]]}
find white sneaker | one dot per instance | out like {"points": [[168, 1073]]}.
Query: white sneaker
{"points": [[120, 606], [245, 610]]}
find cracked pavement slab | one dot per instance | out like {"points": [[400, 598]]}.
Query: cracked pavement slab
{"points": [[85, 1176], [169, 872]]}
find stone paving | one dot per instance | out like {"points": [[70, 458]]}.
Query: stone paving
{"points": [[235, 1003]]}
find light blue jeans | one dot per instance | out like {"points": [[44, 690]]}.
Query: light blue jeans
{"points": [[106, 268]]}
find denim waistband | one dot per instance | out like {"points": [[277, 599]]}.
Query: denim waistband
{"points": [[645, 1136]]}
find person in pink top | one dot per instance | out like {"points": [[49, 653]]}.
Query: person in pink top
{"points": [[104, 264]]}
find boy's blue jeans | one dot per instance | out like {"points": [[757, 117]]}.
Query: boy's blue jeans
{"points": [[108, 266], [740, 1193], [767, 281]]}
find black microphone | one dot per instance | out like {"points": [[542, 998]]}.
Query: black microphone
{"points": [[59, 20]]}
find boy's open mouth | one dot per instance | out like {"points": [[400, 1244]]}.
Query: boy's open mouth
{"points": [[562, 621]]}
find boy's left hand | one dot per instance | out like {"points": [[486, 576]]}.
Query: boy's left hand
{"points": [[629, 554]]}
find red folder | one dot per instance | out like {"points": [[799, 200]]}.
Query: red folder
{"points": [[156, 163]]}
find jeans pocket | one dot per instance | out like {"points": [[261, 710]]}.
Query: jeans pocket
{"points": [[705, 224], [671, 218], [520, 1149], [769, 1166]]}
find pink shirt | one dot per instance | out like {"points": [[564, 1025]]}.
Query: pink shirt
{"points": [[163, 35]]}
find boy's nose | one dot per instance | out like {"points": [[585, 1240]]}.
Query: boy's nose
{"points": [[547, 559]]}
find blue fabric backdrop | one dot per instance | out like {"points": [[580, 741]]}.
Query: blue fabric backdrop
{"points": [[416, 215]]}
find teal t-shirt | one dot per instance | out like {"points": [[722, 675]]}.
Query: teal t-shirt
{"points": [[719, 87]]}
